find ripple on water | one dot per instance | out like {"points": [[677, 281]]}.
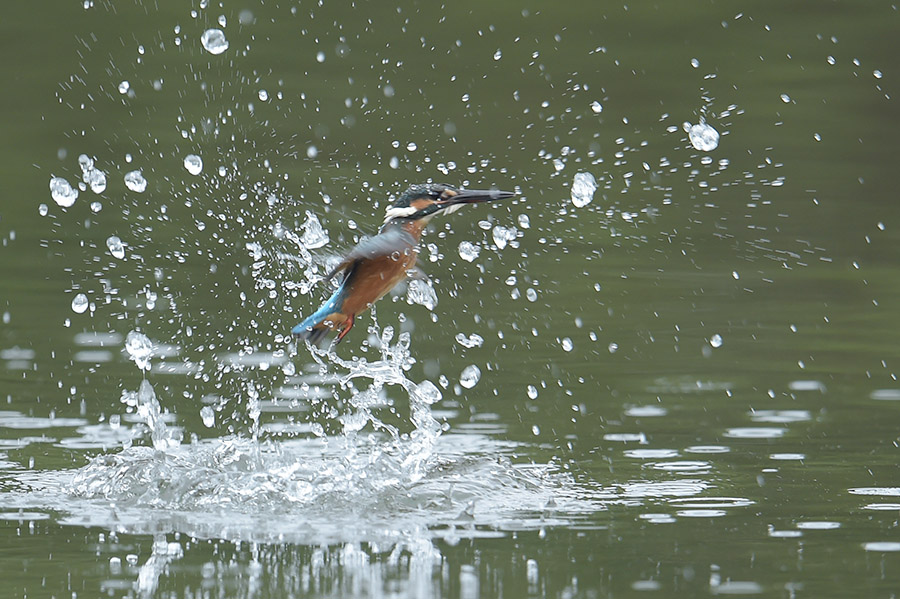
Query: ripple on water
{"points": [[883, 491], [707, 449], [885, 507], [98, 339], [780, 416], [882, 546], [666, 488], [23, 516], [19, 421], [755, 433], [681, 466], [807, 386], [655, 518], [712, 502], [787, 457], [646, 411], [650, 454], [814, 525], [701, 513], [626, 437]]}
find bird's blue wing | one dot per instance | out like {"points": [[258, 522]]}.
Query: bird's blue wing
{"points": [[383, 244]]}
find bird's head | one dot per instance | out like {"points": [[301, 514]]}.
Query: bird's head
{"points": [[422, 202]]}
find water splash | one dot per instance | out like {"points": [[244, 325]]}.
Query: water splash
{"points": [[139, 348], [147, 406]]}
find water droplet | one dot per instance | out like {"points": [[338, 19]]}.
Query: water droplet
{"points": [[583, 187], [394, 162], [468, 251], [124, 87], [877, 74], [96, 206], [498, 55], [785, 98], [43, 210], [422, 293], [209, 416], [524, 221], [567, 344], [503, 235], [79, 303], [716, 340], [193, 164], [695, 63], [214, 41], [263, 95], [470, 376], [320, 57], [703, 137], [116, 247], [411, 146], [312, 152], [139, 348], [597, 107], [134, 180], [613, 348], [473, 340], [532, 392], [62, 193]]}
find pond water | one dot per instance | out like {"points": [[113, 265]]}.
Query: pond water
{"points": [[667, 367]]}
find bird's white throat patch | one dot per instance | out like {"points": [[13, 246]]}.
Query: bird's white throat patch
{"points": [[394, 212]]}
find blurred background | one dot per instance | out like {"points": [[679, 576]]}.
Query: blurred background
{"points": [[669, 364]]}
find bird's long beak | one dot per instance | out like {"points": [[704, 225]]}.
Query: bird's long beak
{"points": [[475, 196]]}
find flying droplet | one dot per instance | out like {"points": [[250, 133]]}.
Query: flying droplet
{"points": [[470, 376], [193, 164], [214, 41], [468, 251], [62, 192], [208, 416], [79, 303], [716, 340], [703, 137], [116, 247], [134, 180], [583, 187]]}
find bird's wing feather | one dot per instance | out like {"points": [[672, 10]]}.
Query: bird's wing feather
{"points": [[383, 244]]}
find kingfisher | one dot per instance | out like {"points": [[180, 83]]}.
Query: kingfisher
{"points": [[377, 264]]}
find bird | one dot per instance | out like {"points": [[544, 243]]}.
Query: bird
{"points": [[377, 264]]}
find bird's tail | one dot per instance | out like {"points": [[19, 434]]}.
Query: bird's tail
{"points": [[315, 328]]}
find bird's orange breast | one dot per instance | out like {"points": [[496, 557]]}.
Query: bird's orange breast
{"points": [[373, 278]]}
